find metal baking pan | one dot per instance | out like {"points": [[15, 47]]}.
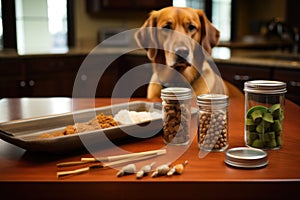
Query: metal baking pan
{"points": [[25, 133]]}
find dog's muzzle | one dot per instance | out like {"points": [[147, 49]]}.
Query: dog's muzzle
{"points": [[182, 54]]}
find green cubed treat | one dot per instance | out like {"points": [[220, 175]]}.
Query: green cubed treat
{"points": [[277, 127], [266, 124], [274, 108], [278, 140], [264, 137], [271, 135], [252, 135], [276, 111], [281, 116], [278, 133], [277, 114], [257, 143], [268, 117], [260, 128], [257, 115], [250, 128], [252, 109], [272, 143], [250, 125], [249, 122]]}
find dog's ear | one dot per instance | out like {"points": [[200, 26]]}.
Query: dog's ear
{"points": [[147, 37], [209, 34]]}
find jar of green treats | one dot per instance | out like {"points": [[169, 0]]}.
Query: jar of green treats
{"points": [[213, 122], [176, 114], [264, 113]]}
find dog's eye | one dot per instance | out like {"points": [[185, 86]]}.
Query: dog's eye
{"points": [[167, 26], [192, 27]]}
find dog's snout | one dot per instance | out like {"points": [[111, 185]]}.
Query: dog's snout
{"points": [[182, 52]]}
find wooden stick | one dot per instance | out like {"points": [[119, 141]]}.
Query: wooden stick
{"points": [[111, 164], [119, 157], [72, 163], [76, 171]]}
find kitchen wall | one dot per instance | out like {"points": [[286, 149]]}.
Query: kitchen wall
{"points": [[87, 27], [249, 16]]}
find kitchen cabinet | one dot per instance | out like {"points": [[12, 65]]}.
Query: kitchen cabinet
{"points": [[239, 74], [38, 76], [292, 79], [139, 70], [95, 7], [127, 76], [53, 76], [12, 81]]}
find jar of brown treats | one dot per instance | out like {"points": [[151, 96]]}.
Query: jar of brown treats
{"points": [[213, 122], [176, 110]]}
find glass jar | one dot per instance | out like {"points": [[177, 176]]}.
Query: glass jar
{"points": [[213, 122], [264, 113], [176, 114]]}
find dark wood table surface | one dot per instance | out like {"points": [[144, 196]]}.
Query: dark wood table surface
{"points": [[32, 175]]}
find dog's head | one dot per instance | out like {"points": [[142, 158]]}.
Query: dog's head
{"points": [[166, 46]]}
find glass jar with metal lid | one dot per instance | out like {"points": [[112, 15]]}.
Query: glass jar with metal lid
{"points": [[213, 122], [176, 111], [264, 113]]}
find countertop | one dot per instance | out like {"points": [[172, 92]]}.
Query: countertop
{"points": [[263, 58], [33, 175]]}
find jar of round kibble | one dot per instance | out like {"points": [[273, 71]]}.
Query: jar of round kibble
{"points": [[213, 122], [264, 113], [176, 114]]}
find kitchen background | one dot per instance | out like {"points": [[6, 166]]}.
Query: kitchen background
{"points": [[42, 42]]}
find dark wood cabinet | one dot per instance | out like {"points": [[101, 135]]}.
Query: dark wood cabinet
{"points": [[95, 7], [137, 72], [38, 76], [239, 74], [13, 80], [127, 76], [292, 79], [53, 76]]}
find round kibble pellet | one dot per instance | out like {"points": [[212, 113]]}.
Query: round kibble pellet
{"points": [[212, 130]]}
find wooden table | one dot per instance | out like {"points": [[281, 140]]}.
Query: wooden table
{"points": [[32, 175]]}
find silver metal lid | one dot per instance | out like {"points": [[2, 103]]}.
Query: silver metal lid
{"points": [[265, 87], [212, 99], [176, 93], [245, 157]]}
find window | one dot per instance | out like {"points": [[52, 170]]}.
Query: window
{"points": [[1, 27], [221, 13], [221, 17], [41, 26], [198, 4]]}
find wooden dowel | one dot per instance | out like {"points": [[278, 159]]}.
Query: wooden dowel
{"points": [[72, 163], [111, 164], [76, 171], [124, 156]]}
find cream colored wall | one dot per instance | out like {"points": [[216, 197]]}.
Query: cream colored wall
{"points": [[256, 11], [88, 27]]}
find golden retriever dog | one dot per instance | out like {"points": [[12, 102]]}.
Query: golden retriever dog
{"points": [[177, 40]]}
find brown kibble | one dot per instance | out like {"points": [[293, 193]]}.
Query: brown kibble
{"points": [[212, 130], [176, 122]]}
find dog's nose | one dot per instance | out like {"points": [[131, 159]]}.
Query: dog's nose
{"points": [[182, 52]]}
